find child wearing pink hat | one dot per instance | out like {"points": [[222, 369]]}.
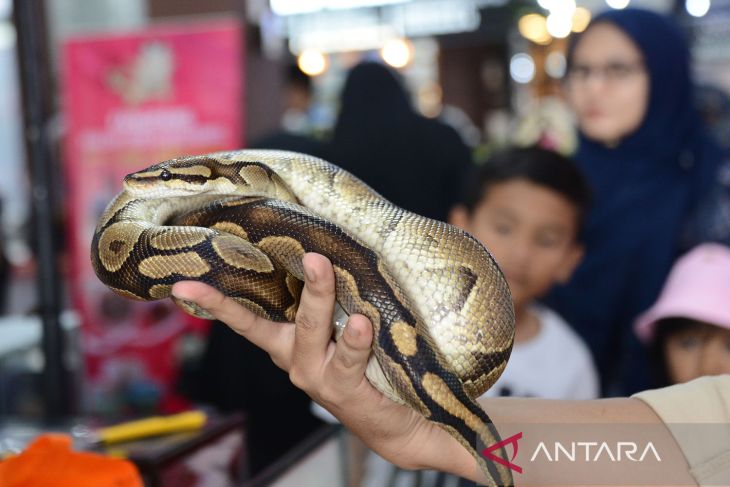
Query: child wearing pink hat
{"points": [[688, 328]]}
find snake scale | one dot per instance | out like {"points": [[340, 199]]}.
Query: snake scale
{"points": [[242, 220]]}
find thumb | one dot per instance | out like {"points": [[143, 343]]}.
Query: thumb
{"points": [[352, 352]]}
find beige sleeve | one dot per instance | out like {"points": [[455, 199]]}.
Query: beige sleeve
{"points": [[698, 415]]}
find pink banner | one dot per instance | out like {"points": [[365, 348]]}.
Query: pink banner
{"points": [[132, 100]]}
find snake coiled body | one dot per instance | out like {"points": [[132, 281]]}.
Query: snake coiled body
{"points": [[241, 221]]}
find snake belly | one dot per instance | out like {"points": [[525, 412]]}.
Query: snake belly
{"points": [[241, 221]]}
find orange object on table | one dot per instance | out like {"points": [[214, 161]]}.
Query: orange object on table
{"points": [[50, 462]]}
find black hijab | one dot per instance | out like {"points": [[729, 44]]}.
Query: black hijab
{"points": [[415, 162]]}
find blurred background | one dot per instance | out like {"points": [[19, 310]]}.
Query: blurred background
{"points": [[91, 90]]}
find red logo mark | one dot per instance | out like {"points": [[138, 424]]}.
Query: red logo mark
{"points": [[487, 452]]}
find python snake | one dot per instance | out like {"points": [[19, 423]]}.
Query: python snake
{"points": [[241, 221]]}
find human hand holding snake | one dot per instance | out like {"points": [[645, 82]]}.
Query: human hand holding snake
{"points": [[333, 374], [241, 221]]}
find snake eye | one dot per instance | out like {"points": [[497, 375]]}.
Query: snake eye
{"points": [[165, 175]]}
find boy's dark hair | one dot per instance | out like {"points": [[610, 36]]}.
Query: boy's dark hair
{"points": [[539, 166]]}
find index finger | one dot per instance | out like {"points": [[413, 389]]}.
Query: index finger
{"points": [[275, 338], [314, 317]]}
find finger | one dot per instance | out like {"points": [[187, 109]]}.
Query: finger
{"points": [[314, 316], [352, 352], [271, 337]]}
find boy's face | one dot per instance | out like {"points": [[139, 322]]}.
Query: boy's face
{"points": [[531, 232], [696, 351]]}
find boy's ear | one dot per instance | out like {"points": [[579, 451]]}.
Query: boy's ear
{"points": [[459, 217], [570, 262]]}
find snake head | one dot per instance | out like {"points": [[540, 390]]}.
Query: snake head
{"points": [[178, 177]]}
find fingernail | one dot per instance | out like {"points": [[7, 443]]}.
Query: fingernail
{"points": [[310, 275], [352, 331]]}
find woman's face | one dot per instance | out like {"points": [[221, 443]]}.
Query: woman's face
{"points": [[696, 351], [607, 84]]}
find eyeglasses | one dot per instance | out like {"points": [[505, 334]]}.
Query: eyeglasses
{"points": [[611, 73]]}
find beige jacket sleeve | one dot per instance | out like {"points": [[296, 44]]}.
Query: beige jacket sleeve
{"points": [[698, 416]]}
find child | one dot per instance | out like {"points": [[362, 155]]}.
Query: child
{"points": [[527, 206], [688, 328]]}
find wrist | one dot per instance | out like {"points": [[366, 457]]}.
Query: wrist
{"points": [[444, 453]]}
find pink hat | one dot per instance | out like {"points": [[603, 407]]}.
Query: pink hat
{"points": [[698, 287]]}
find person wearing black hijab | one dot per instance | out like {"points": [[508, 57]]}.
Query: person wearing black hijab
{"points": [[415, 162], [648, 159]]}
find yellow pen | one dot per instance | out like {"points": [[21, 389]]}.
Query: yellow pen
{"points": [[156, 425]]}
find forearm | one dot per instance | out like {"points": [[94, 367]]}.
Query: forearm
{"points": [[433, 448], [442, 452], [602, 421], [523, 411], [533, 414], [531, 410]]}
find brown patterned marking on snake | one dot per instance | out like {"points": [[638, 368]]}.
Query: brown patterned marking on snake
{"points": [[179, 238], [251, 306], [241, 254], [120, 202], [230, 227], [349, 294], [463, 287], [287, 250], [398, 386], [160, 291], [261, 180], [400, 296], [195, 170], [117, 246], [439, 391], [119, 239], [126, 294], [149, 174], [404, 337], [187, 264], [294, 286], [477, 384], [252, 175]]}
